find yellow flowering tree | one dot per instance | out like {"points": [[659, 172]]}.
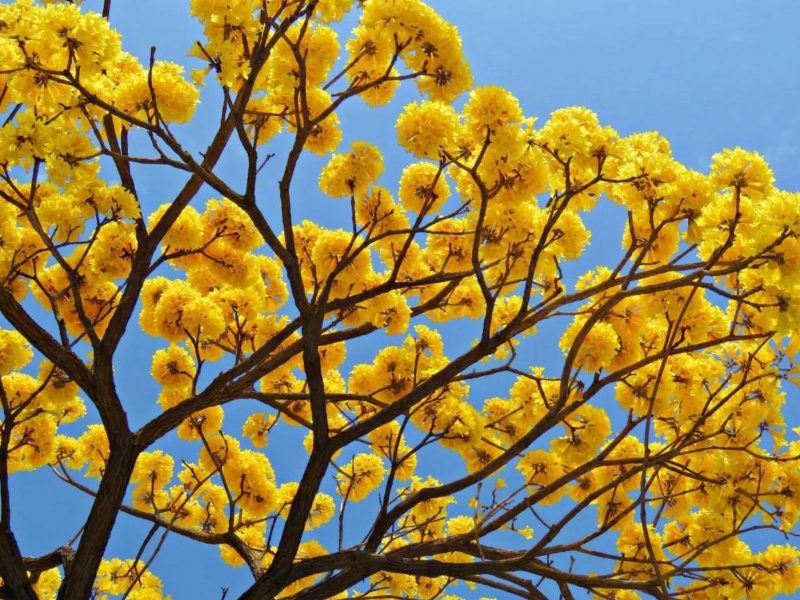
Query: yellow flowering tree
{"points": [[665, 423]]}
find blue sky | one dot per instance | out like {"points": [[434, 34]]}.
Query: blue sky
{"points": [[706, 74]]}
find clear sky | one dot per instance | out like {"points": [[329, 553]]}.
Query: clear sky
{"points": [[707, 74]]}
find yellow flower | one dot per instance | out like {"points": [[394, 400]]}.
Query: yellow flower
{"points": [[326, 135], [575, 133], [171, 95], [173, 366], [783, 562], [739, 168], [391, 311], [186, 233], [460, 525], [48, 584], [423, 188], [586, 429], [541, 468], [15, 351], [252, 480], [93, 449], [332, 11], [153, 469], [427, 128], [526, 532], [598, 348], [633, 545], [492, 107], [322, 511], [360, 477], [256, 428], [350, 174]]}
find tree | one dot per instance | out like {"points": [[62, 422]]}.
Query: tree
{"points": [[656, 461]]}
